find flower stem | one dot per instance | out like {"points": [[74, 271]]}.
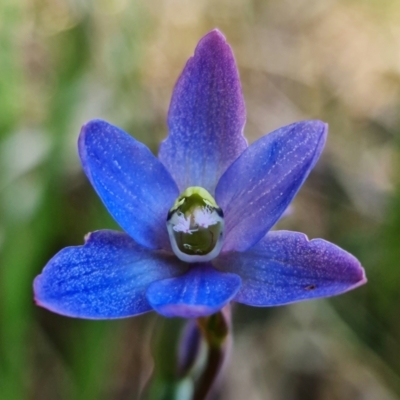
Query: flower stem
{"points": [[215, 330]]}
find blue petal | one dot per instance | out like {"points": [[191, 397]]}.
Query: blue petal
{"points": [[257, 188], [286, 267], [206, 117], [134, 186], [201, 291], [105, 278]]}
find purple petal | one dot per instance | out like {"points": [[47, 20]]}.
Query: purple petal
{"points": [[257, 188], [206, 117], [105, 278], [134, 186], [286, 267], [201, 291]]}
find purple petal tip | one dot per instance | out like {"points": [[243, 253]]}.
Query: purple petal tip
{"points": [[215, 34], [213, 41], [362, 281]]}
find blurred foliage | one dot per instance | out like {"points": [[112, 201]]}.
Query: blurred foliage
{"points": [[64, 62]]}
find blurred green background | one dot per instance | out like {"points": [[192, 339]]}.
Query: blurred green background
{"points": [[65, 62]]}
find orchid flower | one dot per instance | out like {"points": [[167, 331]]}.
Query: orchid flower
{"points": [[197, 220]]}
